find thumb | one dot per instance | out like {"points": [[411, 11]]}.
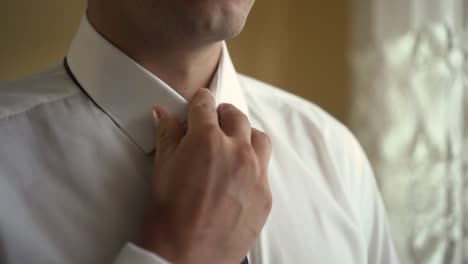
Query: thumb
{"points": [[169, 131]]}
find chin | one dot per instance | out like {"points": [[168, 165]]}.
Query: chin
{"points": [[188, 21], [228, 29], [221, 19], [235, 16]]}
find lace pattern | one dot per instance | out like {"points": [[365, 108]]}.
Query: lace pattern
{"points": [[408, 110]]}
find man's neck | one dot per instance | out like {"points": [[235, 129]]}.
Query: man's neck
{"points": [[185, 70], [184, 67]]}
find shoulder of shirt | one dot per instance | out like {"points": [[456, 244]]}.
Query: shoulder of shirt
{"points": [[22, 95], [274, 98], [309, 124], [309, 120]]}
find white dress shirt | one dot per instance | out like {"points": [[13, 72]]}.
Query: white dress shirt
{"points": [[75, 165]]}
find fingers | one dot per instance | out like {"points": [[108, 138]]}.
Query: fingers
{"points": [[169, 130], [202, 111], [233, 122], [262, 146]]}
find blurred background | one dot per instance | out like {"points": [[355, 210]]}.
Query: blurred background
{"points": [[394, 71]]}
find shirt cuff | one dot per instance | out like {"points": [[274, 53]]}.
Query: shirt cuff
{"points": [[132, 254]]}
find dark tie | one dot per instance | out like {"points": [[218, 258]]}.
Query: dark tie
{"points": [[245, 261]]}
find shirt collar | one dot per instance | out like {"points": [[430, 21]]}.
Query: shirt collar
{"points": [[127, 92]]}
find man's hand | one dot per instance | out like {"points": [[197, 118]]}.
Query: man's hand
{"points": [[211, 196]]}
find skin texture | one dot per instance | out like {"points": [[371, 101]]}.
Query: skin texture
{"points": [[213, 208], [177, 40]]}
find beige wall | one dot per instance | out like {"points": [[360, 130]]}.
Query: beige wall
{"points": [[298, 45], [35, 34]]}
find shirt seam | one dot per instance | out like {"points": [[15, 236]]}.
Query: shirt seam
{"points": [[8, 118]]}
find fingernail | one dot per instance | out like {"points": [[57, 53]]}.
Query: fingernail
{"points": [[221, 107], [156, 114]]}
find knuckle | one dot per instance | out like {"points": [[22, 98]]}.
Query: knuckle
{"points": [[246, 161], [266, 196], [210, 133], [238, 112], [225, 107], [210, 138], [264, 137], [205, 132], [245, 154], [207, 139], [211, 130], [229, 109], [268, 201], [204, 107], [241, 117]]}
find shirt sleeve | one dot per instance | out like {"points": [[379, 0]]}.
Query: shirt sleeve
{"points": [[132, 254], [363, 194], [369, 206]]}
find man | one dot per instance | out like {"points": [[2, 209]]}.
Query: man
{"points": [[119, 155]]}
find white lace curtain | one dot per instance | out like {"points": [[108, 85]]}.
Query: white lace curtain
{"points": [[409, 111]]}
